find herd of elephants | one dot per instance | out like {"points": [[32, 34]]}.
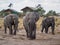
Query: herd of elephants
{"points": [[29, 23]]}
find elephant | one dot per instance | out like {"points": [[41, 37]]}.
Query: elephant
{"points": [[48, 22], [9, 21], [29, 23]]}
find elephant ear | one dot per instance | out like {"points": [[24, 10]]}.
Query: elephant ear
{"points": [[37, 16]]}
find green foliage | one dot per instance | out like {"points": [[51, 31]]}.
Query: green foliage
{"points": [[40, 10], [51, 13], [3, 13]]}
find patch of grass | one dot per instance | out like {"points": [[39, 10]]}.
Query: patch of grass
{"points": [[1, 23]]}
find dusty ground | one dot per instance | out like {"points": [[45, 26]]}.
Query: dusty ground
{"points": [[20, 38]]}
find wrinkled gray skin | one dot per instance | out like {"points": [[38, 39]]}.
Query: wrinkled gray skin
{"points": [[48, 22], [29, 23], [9, 21]]}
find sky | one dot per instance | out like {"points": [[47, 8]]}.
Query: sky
{"points": [[19, 4]]}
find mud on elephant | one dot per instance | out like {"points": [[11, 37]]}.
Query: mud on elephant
{"points": [[29, 23], [9, 21], [48, 22]]}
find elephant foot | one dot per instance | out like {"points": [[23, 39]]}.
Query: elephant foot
{"points": [[10, 33], [5, 32], [46, 32], [14, 34], [27, 36], [32, 38], [41, 31], [53, 33]]}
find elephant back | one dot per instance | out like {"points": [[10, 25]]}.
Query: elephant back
{"points": [[32, 15], [10, 19]]}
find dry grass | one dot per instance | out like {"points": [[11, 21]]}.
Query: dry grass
{"points": [[20, 25], [1, 23]]}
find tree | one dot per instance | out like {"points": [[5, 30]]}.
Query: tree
{"points": [[40, 10], [51, 13]]}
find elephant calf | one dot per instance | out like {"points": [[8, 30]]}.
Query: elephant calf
{"points": [[9, 21], [48, 22], [29, 23]]}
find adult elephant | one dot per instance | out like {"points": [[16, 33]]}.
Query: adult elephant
{"points": [[29, 23], [9, 21], [48, 22]]}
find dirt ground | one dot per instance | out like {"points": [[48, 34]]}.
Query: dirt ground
{"points": [[20, 38]]}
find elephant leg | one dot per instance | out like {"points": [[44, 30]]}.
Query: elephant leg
{"points": [[15, 29], [32, 27], [30, 35], [34, 32], [27, 33], [30, 32], [10, 30], [46, 29], [5, 29], [42, 28], [52, 30]]}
